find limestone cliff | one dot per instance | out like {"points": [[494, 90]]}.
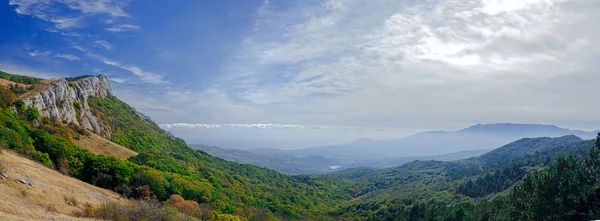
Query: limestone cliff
{"points": [[67, 101]]}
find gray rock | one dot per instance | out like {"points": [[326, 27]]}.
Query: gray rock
{"points": [[24, 182], [58, 101]]}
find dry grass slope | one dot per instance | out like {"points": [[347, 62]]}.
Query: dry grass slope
{"points": [[98, 145], [7, 83], [51, 196], [37, 88]]}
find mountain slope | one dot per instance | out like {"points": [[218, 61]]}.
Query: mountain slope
{"points": [[51, 194], [478, 137], [165, 165], [433, 190], [527, 146], [227, 186]]}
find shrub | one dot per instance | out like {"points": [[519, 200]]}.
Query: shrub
{"points": [[6, 97], [17, 89], [143, 193], [72, 79], [188, 207], [32, 113], [52, 209], [71, 201], [77, 104], [140, 210], [89, 210], [19, 104]]}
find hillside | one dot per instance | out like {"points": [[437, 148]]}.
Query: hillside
{"points": [[47, 122], [51, 195], [478, 137], [444, 190], [526, 147]]}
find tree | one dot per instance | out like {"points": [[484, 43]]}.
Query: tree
{"points": [[6, 97], [568, 190]]}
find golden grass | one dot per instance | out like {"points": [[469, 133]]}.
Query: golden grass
{"points": [[51, 196], [41, 86], [7, 83], [98, 145]]}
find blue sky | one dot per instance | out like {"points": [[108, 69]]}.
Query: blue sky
{"points": [[342, 69]]}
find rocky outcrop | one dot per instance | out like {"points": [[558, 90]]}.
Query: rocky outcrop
{"points": [[66, 102]]}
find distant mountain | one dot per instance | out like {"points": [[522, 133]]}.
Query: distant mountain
{"points": [[477, 137], [314, 164]]}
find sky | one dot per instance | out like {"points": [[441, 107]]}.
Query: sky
{"points": [[301, 73]]}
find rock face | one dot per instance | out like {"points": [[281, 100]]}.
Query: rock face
{"points": [[66, 102]]}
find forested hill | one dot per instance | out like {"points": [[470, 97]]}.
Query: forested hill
{"points": [[434, 190], [528, 146]]}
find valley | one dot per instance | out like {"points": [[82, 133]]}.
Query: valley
{"points": [[104, 142]]}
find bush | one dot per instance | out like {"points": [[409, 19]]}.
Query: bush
{"points": [[71, 201], [72, 79], [19, 104], [77, 104], [140, 210], [32, 113], [6, 97], [190, 207], [52, 209]]}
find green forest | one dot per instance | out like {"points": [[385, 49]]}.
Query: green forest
{"points": [[529, 179]]}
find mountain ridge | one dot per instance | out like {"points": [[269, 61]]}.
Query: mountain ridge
{"points": [[476, 137]]}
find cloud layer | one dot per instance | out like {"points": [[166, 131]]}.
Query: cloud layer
{"points": [[363, 63], [266, 126], [420, 62]]}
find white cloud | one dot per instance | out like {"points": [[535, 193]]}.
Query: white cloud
{"points": [[144, 76], [266, 126], [108, 7], [104, 44], [69, 57], [119, 80], [419, 62], [66, 23], [123, 28], [79, 48], [54, 11], [71, 34], [37, 53]]}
